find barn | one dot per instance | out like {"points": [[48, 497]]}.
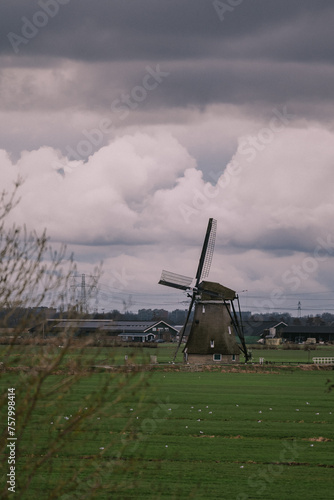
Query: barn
{"points": [[300, 333], [136, 331]]}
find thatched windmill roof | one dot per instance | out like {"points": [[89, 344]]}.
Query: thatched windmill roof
{"points": [[215, 291]]}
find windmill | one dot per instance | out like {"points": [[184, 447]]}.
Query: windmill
{"points": [[212, 333]]}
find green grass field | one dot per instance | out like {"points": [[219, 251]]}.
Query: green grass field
{"points": [[172, 434], [29, 355]]}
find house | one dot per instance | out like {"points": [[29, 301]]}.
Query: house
{"points": [[131, 336], [141, 331]]}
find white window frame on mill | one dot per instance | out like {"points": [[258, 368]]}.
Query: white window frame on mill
{"points": [[217, 359]]}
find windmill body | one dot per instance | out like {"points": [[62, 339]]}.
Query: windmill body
{"points": [[212, 333], [211, 338]]}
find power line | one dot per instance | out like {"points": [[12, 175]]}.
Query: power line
{"points": [[285, 309]]}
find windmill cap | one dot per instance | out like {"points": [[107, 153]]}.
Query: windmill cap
{"points": [[216, 291]]}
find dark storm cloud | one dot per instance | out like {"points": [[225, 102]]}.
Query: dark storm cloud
{"points": [[104, 30], [185, 83], [263, 51]]}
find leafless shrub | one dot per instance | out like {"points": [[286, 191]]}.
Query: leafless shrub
{"points": [[30, 271]]}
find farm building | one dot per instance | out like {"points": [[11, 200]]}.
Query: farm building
{"points": [[137, 331], [143, 331], [300, 333], [269, 331]]}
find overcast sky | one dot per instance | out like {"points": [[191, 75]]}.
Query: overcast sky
{"points": [[132, 123]]}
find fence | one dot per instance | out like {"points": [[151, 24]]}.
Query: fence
{"points": [[323, 361]]}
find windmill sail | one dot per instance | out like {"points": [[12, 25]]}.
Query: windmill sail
{"points": [[207, 251], [175, 280]]}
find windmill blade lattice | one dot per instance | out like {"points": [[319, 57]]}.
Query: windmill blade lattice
{"points": [[175, 280], [209, 252]]}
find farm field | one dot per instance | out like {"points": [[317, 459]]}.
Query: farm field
{"points": [[167, 434], [28, 354]]}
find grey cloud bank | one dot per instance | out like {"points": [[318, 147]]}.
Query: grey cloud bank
{"points": [[134, 123]]}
